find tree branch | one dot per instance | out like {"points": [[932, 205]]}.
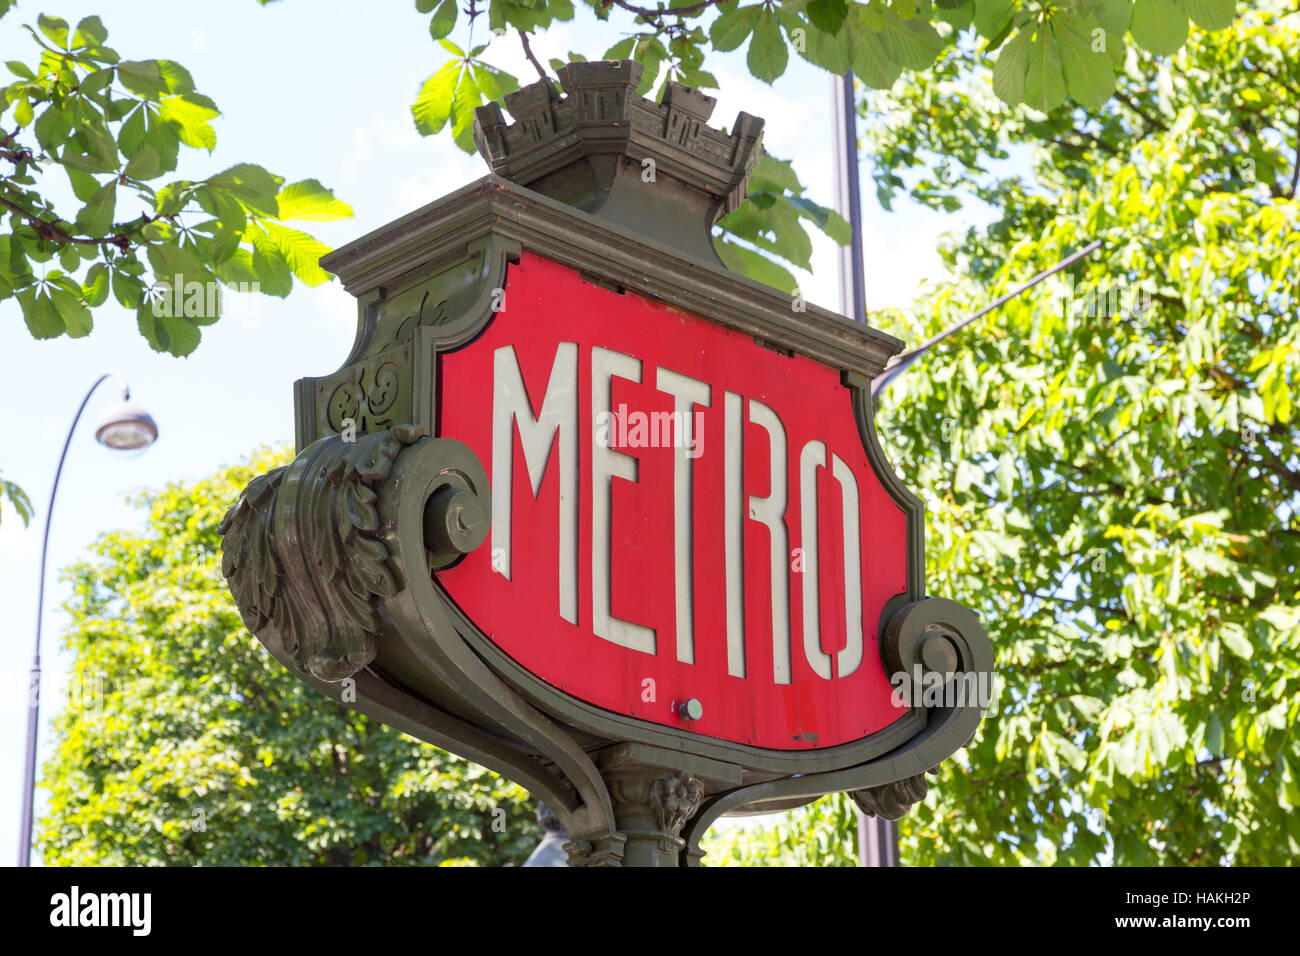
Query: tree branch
{"points": [[654, 16], [1295, 174], [1152, 122], [528, 52], [51, 232]]}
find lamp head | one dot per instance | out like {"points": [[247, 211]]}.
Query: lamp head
{"points": [[126, 426]]}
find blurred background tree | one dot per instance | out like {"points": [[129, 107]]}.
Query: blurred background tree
{"points": [[185, 743], [1111, 463]]}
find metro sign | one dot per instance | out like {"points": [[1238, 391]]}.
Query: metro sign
{"points": [[586, 507], [678, 513]]}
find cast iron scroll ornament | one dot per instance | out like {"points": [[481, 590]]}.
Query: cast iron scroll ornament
{"points": [[890, 785], [891, 801], [303, 550], [304, 547]]}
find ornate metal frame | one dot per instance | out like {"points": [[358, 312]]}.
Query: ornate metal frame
{"points": [[333, 559]]}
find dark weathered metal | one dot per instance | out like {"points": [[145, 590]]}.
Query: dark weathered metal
{"points": [[334, 560], [597, 147]]}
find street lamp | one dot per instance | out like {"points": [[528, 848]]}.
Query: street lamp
{"points": [[125, 427]]}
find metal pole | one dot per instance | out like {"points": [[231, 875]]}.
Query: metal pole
{"points": [[877, 839], [848, 198], [34, 682], [905, 359]]}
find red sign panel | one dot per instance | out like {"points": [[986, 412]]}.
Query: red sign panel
{"points": [[678, 514]]}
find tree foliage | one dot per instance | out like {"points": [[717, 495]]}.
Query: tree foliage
{"points": [[823, 833], [113, 129], [184, 742], [1044, 53], [1111, 463]]}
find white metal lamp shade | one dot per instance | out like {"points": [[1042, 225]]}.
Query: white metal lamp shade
{"points": [[126, 426]]}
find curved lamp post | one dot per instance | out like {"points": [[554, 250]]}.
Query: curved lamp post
{"points": [[125, 426]]}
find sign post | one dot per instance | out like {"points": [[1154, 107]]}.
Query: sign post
{"points": [[589, 509]]}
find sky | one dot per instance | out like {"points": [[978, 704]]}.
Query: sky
{"points": [[322, 90]]}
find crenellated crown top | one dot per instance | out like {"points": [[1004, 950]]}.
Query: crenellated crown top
{"points": [[656, 168]]}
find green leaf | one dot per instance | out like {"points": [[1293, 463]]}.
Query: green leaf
{"points": [[95, 288], [913, 44], [145, 164], [1159, 26], [190, 114], [754, 266], [238, 266], [175, 265], [827, 15], [1115, 16], [773, 228], [1211, 14], [74, 312], [1235, 640], [53, 127], [1284, 619], [992, 17], [827, 220], [95, 82], [93, 132], [862, 48], [131, 134], [270, 267], [621, 50], [224, 245], [1214, 734], [464, 102], [444, 19], [1011, 67], [300, 251], [1044, 82], [768, 54], [96, 218], [18, 498], [1089, 76], [23, 111], [729, 31], [774, 175], [172, 198], [55, 29], [309, 200], [960, 15], [90, 32], [250, 184], [433, 106], [494, 84], [42, 318], [175, 335], [650, 53], [1007, 474], [127, 289]]}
